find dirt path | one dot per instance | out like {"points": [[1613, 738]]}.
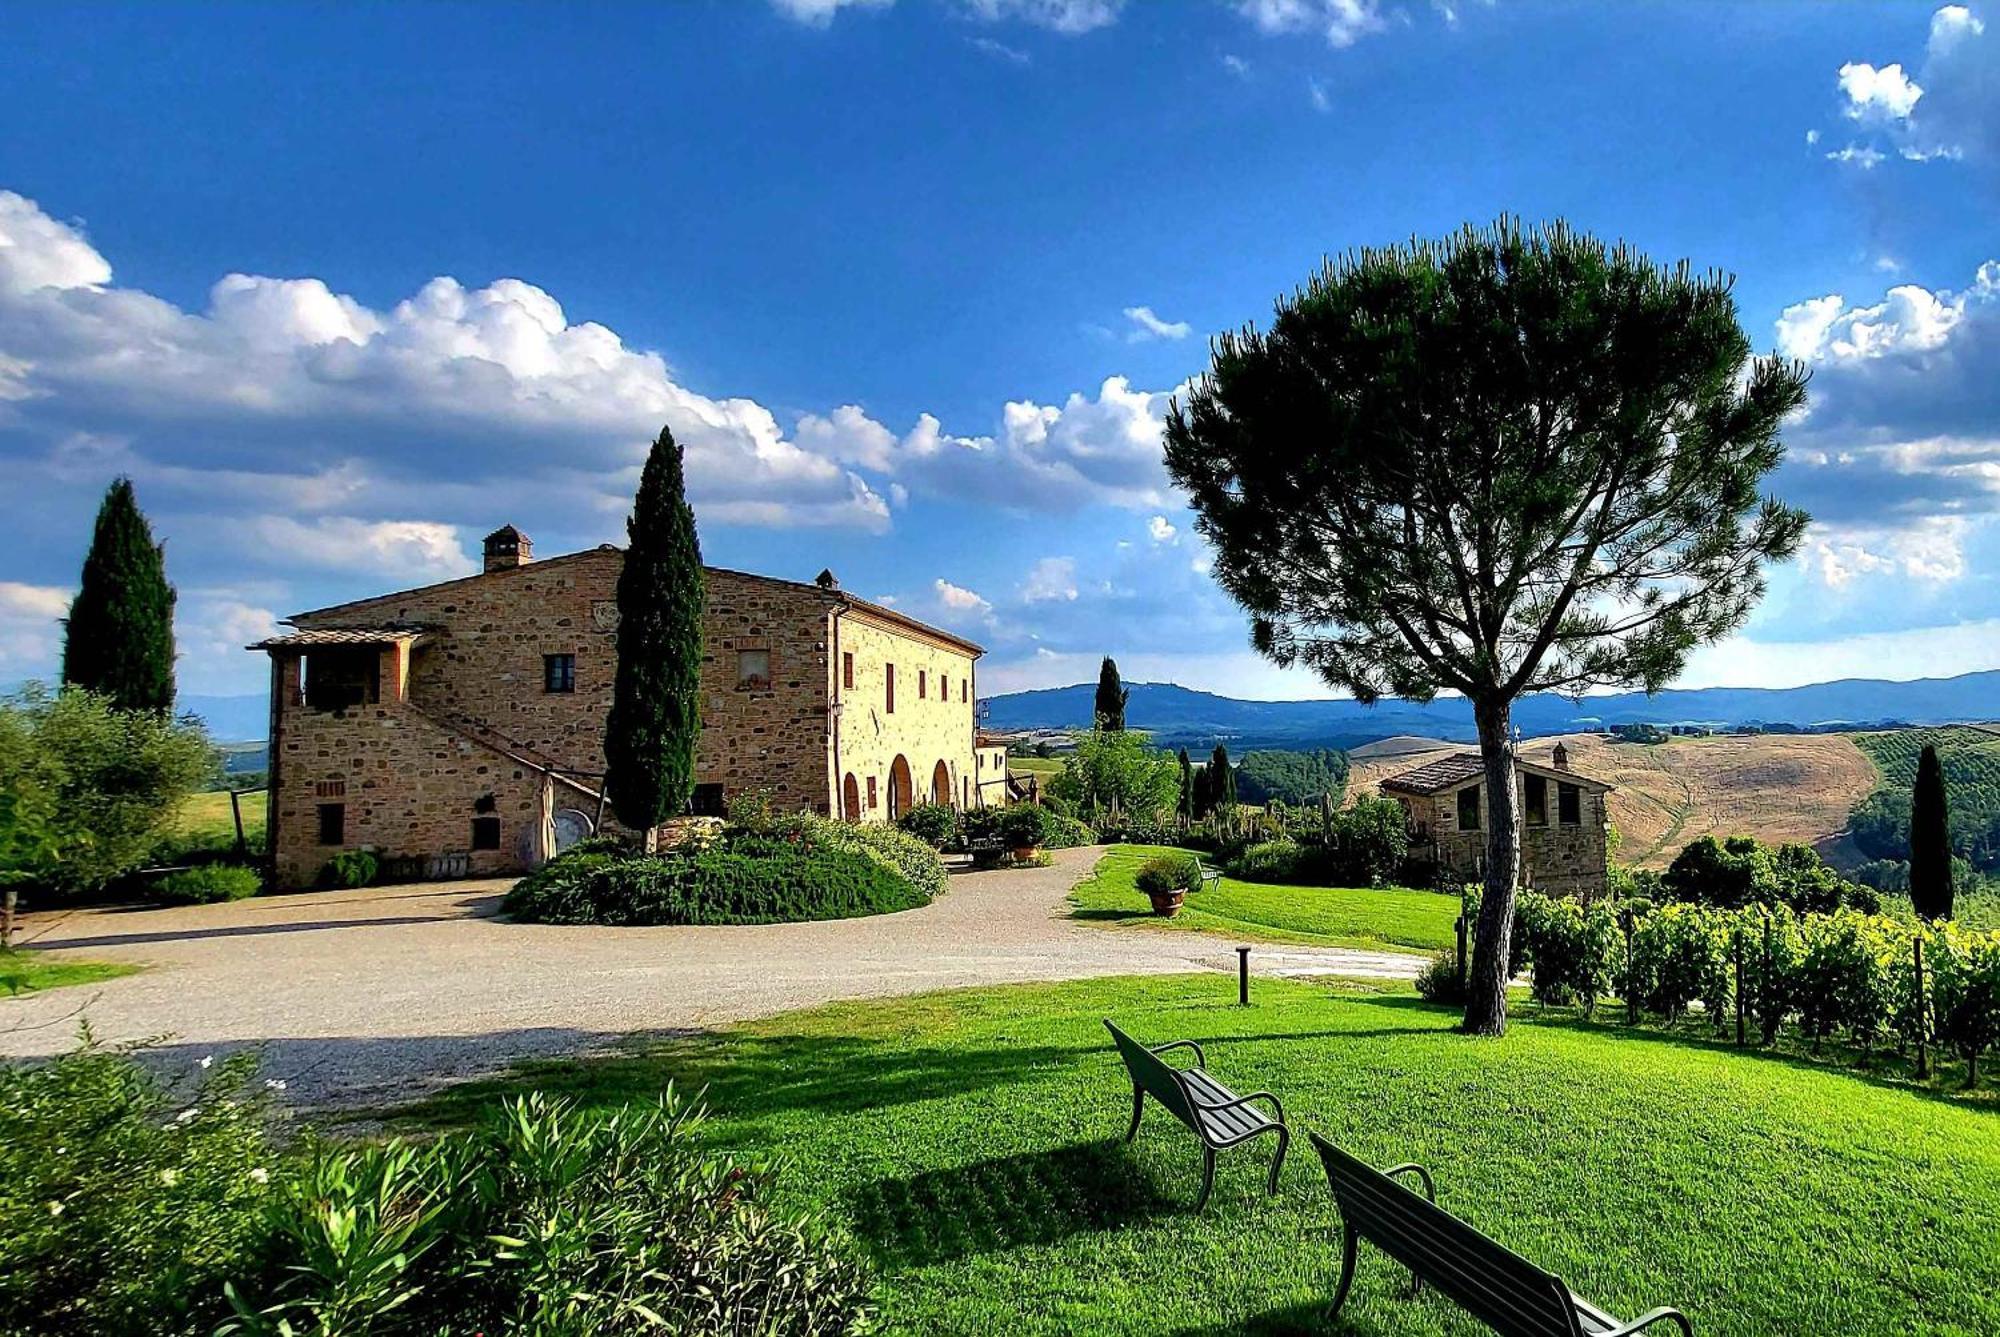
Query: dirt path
{"points": [[358, 995]]}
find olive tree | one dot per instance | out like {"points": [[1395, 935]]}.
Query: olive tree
{"points": [[1514, 460]]}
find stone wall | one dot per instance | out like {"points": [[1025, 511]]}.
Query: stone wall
{"points": [[1556, 859]]}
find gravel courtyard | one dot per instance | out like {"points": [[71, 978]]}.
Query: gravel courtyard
{"points": [[357, 996]]}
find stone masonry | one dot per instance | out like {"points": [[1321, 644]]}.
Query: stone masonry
{"points": [[1560, 858]]}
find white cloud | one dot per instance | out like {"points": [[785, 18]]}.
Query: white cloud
{"points": [[411, 551], [36, 251], [1050, 580], [1012, 54], [1870, 92], [1907, 319], [1069, 17], [819, 13], [1236, 65], [958, 598], [1316, 91], [1921, 652], [1146, 325], [1930, 550], [30, 626], [211, 627], [1867, 159], [1160, 529], [1341, 22]]}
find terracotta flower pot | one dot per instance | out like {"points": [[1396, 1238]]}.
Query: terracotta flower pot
{"points": [[1167, 904], [1027, 853]]}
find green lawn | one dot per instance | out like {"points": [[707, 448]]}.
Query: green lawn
{"points": [[23, 971], [971, 1143], [205, 816], [1379, 918]]}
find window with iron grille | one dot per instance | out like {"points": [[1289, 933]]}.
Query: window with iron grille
{"points": [[333, 823]]}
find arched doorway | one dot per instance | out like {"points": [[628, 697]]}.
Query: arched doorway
{"points": [[941, 785], [850, 798], [902, 791]]}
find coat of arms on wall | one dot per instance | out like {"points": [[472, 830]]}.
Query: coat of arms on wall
{"points": [[604, 615]]}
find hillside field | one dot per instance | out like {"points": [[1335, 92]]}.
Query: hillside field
{"points": [[1777, 787]]}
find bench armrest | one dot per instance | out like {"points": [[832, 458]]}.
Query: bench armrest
{"points": [[1662, 1313], [1201, 1104], [1200, 1059], [1430, 1189]]}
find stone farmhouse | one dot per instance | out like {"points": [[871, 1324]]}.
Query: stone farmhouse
{"points": [[458, 729], [1564, 832]]}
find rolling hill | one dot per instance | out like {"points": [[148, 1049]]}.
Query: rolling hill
{"points": [[1181, 715]]}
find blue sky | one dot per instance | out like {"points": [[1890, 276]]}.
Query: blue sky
{"points": [[344, 287]]}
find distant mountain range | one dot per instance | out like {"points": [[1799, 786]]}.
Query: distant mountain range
{"points": [[1182, 715]]}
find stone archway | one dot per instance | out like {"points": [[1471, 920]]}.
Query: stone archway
{"points": [[850, 798], [941, 784], [902, 791]]}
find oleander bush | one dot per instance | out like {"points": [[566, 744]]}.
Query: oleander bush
{"points": [[131, 1203], [1169, 872], [205, 883]]}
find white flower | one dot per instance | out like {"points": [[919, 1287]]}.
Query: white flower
{"points": [[274, 1083], [187, 1114], [55, 1209], [170, 1177], [261, 1175], [208, 1061]]}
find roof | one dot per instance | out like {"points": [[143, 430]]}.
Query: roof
{"points": [[832, 596], [1435, 777], [341, 636]]}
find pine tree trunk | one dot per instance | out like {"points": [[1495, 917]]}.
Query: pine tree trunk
{"points": [[7, 902], [1486, 985]]}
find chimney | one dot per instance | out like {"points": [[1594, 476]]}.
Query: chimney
{"points": [[507, 548], [826, 580], [1561, 757]]}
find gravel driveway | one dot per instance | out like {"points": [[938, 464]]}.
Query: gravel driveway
{"points": [[356, 996]]}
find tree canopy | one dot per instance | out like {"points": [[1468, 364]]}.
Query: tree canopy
{"points": [[1111, 696], [655, 719], [118, 640], [1513, 460], [1930, 840]]}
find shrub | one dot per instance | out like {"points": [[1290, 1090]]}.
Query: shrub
{"points": [[349, 868], [1067, 833], [549, 1218], [126, 1200], [1025, 824], [1679, 958], [749, 880], [1965, 965], [1367, 842], [900, 852], [1439, 982], [1268, 861], [205, 883], [936, 824], [1169, 872], [1570, 949]]}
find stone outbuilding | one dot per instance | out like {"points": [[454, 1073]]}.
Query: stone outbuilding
{"points": [[457, 729], [1565, 842]]}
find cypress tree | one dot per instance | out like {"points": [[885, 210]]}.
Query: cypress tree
{"points": [[119, 635], [1187, 787], [1111, 697], [1222, 785], [655, 720], [1930, 840]]}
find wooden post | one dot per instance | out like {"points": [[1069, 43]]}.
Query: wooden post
{"points": [[1923, 1008], [236, 811], [1631, 994], [1737, 950], [1243, 977]]}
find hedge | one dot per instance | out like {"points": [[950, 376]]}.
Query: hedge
{"points": [[205, 883], [749, 880], [1822, 976]]}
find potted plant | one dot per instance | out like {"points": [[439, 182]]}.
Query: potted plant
{"points": [[1023, 828], [1167, 879]]}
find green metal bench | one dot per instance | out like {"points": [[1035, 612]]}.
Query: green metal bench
{"points": [[1212, 1112], [1491, 1282]]}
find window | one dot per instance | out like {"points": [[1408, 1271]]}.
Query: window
{"points": [[920, 684], [889, 699], [847, 669], [964, 690], [753, 670], [333, 823], [1569, 804], [486, 833], [871, 791], [558, 675], [1538, 799], [707, 801], [343, 676], [1468, 808]]}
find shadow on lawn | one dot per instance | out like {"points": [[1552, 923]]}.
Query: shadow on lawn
{"points": [[755, 1075], [1006, 1202]]}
